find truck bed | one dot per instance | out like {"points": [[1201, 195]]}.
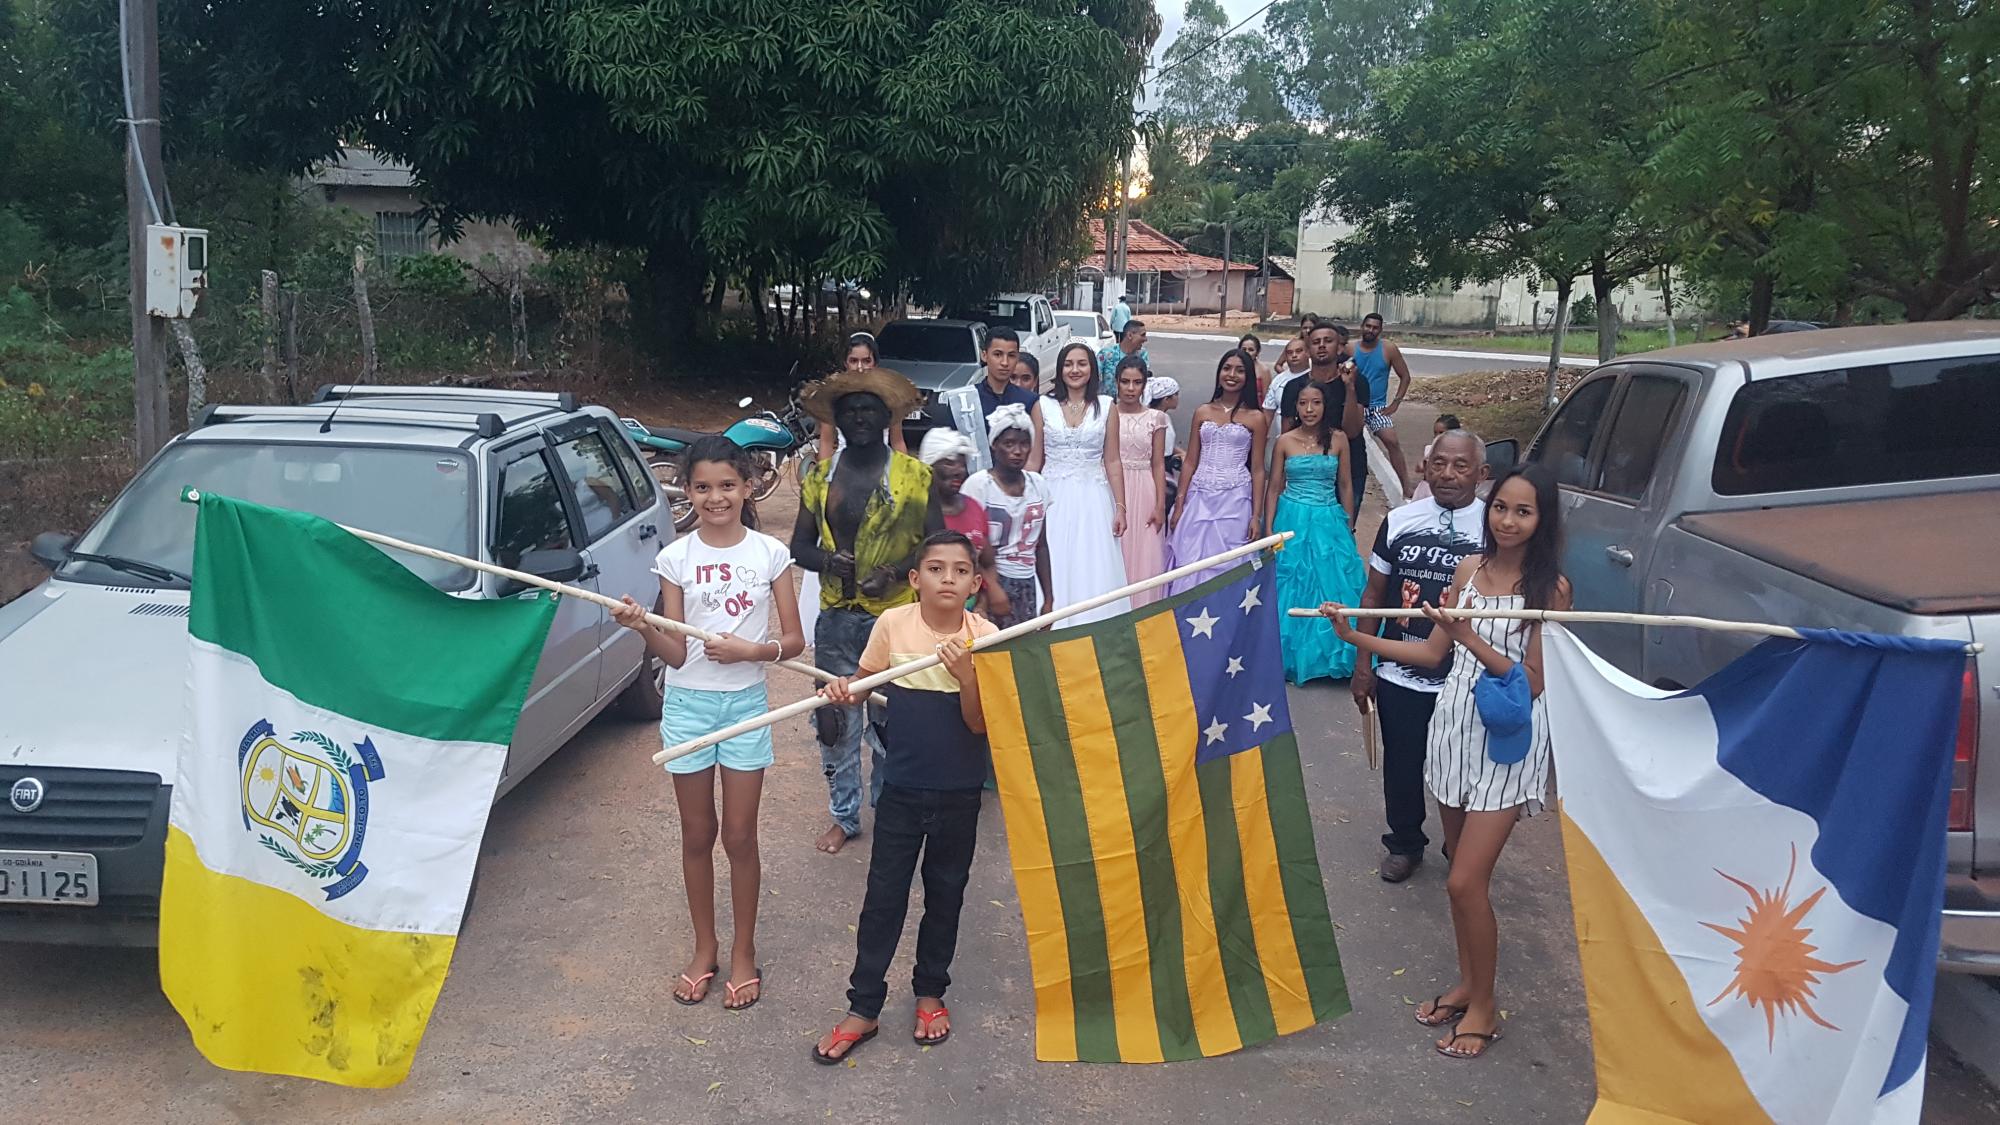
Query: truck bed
{"points": [[1926, 555]]}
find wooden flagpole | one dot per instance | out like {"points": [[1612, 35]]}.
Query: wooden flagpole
{"points": [[1597, 617], [568, 591], [814, 702]]}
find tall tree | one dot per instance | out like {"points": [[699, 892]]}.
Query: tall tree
{"points": [[913, 143], [1194, 87], [1832, 151], [1331, 46]]}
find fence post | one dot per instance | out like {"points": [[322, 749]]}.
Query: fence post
{"points": [[364, 314], [268, 303], [291, 303], [197, 372], [517, 317]]}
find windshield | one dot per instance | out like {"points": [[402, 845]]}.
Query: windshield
{"points": [[1863, 425], [928, 343], [422, 495]]}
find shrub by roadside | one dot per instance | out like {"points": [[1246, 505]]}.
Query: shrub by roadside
{"points": [[1496, 404]]}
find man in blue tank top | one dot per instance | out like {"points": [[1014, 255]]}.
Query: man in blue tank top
{"points": [[1374, 359]]}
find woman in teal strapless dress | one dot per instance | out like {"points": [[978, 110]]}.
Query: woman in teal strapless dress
{"points": [[1319, 563]]}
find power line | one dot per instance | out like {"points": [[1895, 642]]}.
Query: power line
{"points": [[1187, 58]]}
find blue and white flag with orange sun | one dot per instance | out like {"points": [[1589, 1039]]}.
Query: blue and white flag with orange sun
{"points": [[1757, 869]]}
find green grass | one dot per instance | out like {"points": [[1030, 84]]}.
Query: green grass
{"points": [[1576, 342]]}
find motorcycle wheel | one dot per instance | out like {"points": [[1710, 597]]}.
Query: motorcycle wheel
{"points": [[768, 474], [667, 474]]}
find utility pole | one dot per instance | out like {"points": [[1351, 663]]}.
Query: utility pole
{"points": [[1222, 311], [144, 176], [1114, 244]]}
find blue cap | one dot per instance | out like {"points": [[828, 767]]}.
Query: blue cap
{"points": [[1506, 708]]}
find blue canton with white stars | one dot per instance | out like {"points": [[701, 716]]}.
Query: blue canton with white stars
{"points": [[1230, 641]]}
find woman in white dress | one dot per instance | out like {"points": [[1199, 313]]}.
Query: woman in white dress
{"points": [[1077, 455]]}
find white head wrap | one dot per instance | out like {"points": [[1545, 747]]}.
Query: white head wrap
{"points": [[1159, 387], [943, 443], [1007, 416]]}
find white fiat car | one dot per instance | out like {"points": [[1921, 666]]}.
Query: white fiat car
{"points": [[94, 660]]}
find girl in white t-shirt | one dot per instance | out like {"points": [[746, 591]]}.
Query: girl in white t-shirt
{"points": [[724, 578]]}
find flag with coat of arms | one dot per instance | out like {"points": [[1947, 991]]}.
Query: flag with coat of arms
{"points": [[1156, 818], [348, 727]]}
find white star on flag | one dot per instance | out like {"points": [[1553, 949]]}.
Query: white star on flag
{"points": [[1260, 713], [1235, 666], [1216, 729], [1203, 625], [1250, 599]]}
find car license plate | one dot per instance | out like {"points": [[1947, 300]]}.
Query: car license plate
{"points": [[63, 878]]}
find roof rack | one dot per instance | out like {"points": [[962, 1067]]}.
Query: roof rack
{"points": [[487, 425], [336, 392]]}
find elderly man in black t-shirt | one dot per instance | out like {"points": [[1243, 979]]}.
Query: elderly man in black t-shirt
{"points": [[1336, 378], [1416, 553]]}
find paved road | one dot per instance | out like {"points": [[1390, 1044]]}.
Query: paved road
{"points": [[558, 1007]]}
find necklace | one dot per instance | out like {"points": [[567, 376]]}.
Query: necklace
{"points": [[940, 638], [1073, 410]]}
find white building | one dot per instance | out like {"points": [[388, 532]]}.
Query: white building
{"points": [[1512, 302]]}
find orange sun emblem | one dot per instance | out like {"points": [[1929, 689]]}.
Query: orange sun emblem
{"points": [[1775, 966]]}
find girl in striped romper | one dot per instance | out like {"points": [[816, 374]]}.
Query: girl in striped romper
{"points": [[1480, 799]]}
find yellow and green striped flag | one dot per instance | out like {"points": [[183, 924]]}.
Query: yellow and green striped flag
{"points": [[1157, 819]]}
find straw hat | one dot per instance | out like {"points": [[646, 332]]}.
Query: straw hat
{"points": [[897, 392]]}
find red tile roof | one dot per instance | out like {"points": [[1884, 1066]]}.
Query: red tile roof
{"points": [[1147, 250]]}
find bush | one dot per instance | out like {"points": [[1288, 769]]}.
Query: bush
{"points": [[1583, 310], [429, 275], [56, 399]]}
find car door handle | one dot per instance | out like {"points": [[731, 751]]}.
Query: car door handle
{"points": [[1619, 555], [589, 571]]}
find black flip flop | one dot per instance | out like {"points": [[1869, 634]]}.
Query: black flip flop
{"points": [[697, 982], [1491, 1037], [853, 1042], [1452, 1013]]}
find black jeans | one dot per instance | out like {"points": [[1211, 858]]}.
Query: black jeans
{"points": [[1406, 722], [942, 824]]}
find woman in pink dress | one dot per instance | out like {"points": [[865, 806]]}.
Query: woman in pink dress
{"points": [[1142, 438]]}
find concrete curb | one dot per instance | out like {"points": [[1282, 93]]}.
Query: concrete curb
{"points": [[1966, 1018]]}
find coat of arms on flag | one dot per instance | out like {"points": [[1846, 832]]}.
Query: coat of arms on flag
{"points": [[1157, 820], [340, 707], [1757, 869]]}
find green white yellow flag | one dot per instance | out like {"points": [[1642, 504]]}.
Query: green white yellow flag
{"points": [[348, 726]]}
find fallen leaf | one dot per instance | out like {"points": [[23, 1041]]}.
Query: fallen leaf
{"points": [[851, 929], [924, 1050], [696, 1042], [1407, 1000], [1463, 1102], [1503, 1013], [714, 1086], [997, 903], [850, 1064], [1399, 972]]}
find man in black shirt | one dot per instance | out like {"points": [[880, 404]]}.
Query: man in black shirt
{"points": [[1324, 344], [996, 386]]}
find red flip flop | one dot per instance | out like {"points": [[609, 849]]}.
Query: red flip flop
{"points": [[729, 1003], [694, 983], [924, 1022], [854, 1040]]}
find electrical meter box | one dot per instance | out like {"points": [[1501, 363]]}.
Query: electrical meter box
{"points": [[176, 270]]}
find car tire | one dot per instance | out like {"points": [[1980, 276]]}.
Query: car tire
{"points": [[643, 698]]}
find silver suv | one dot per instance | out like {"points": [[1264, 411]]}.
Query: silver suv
{"points": [[94, 661]]}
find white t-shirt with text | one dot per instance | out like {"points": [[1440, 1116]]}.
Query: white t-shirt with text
{"points": [[723, 590], [1014, 523]]}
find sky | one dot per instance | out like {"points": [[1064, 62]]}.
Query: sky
{"points": [[1170, 15]]}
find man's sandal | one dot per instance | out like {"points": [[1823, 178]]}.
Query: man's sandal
{"points": [[1449, 1049], [853, 1039], [1440, 1013], [694, 983], [924, 1022], [729, 1003]]}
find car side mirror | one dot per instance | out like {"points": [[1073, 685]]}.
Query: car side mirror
{"points": [[51, 548], [557, 564], [1502, 455]]}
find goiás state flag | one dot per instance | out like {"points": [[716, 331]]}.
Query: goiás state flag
{"points": [[1757, 870], [1157, 820], [348, 726]]}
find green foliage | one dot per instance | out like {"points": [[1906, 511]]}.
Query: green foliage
{"points": [[55, 398], [430, 275], [1583, 311]]}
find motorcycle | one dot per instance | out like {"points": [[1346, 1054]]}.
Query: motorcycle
{"points": [[771, 438]]}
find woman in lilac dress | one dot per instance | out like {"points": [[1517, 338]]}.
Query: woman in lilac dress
{"points": [[1223, 484]]}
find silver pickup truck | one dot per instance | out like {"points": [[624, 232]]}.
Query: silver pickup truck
{"points": [[1845, 478]]}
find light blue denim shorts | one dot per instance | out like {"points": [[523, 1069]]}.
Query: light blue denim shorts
{"points": [[689, 713]]}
